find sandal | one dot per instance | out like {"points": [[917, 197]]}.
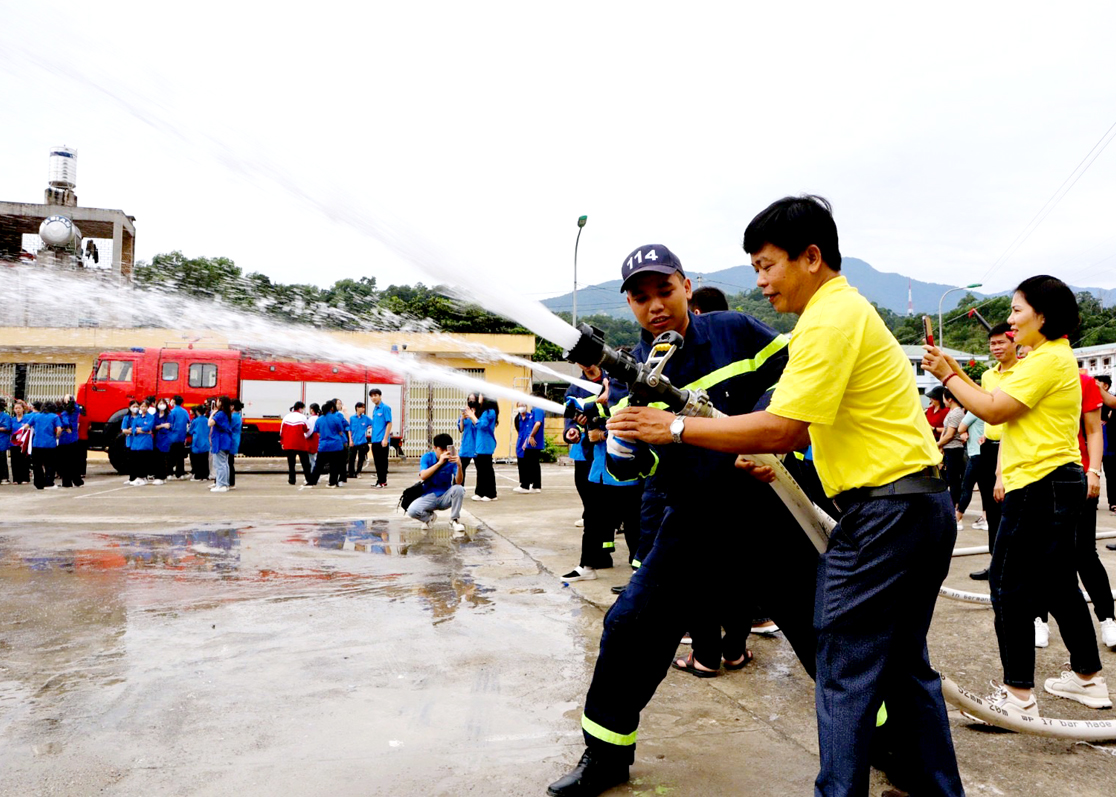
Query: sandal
{"points": [[745, 660], [687, 665]]}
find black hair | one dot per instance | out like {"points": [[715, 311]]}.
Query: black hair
{"points": [[3, 405], [1001, 328], [358, 405], [709, 300], [199, 410], [298, 406], [225, 405], [316, 409], [36, 405], [1054, 300], [237, 405], [133, 401], [49, 407], [793, 223], [150, 399], [442, 440], [1104, 378], [329, 406], [177, 400], [375, 392]]}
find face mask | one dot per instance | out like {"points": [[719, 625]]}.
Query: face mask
{"points": [[134, 410], [162, 406]]}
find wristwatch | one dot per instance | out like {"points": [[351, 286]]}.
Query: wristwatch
{"points": [[677, 426], [1095, 471]]}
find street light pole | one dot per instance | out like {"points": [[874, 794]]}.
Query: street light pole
{"points": [[580, 224], [941, 334]]}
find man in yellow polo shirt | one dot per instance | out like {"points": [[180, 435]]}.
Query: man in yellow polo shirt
{"points": [[1002, 349], [849, 390]]}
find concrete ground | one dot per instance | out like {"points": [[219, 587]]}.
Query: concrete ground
{"points": [[166, 640]]}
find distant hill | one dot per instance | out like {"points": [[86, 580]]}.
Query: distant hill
{"points": [[885, 289]]}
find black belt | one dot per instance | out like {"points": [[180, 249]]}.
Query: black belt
{"points": [[924, 481]]}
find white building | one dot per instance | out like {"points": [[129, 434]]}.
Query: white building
{"points": [[924, 380], [1096, 360]]}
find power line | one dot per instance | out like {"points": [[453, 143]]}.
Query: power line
{"points": [[1055, 198]]}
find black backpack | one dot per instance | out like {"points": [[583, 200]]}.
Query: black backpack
{"points": [[410, 494]]}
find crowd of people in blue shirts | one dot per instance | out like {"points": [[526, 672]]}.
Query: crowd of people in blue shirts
{"points": [[43, 439]]}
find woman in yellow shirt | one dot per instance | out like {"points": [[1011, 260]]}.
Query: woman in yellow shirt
{"points": [[1043, 487]]}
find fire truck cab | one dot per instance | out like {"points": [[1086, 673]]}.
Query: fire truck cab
{"points": [[267, 388]]}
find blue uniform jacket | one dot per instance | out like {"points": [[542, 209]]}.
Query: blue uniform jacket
{"points": [[536, 415], [468, 429], [7, 426], [442, 479], [736, 359], [199, 435], [360, 424], [143, 427], [220, 434], [236, 428], [43, 425], [486, 433], [523, 424], [70, 422], [180, 424], [164, 437], [381, 417], [331, 432], [127, 422]]}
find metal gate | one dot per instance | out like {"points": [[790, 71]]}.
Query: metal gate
{"points": [[433, 408], [49, 381], [7, 382]]}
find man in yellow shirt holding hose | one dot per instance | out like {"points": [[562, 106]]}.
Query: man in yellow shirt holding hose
{"points": [[849, 390]]}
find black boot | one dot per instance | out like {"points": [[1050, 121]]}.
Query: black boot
{"points": [[589, 778]]}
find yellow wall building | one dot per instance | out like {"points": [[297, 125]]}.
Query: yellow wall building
{"points": [[53, 361]]}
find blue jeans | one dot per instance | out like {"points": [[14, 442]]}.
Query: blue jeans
{"points": [[421, 507], [221, 467], [1034, 567], [877, 585]]}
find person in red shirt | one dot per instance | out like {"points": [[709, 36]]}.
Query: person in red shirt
{"points": [[1089, 567], [937, 411]]}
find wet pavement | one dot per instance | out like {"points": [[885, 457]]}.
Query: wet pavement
{"points": [[165, 640]]}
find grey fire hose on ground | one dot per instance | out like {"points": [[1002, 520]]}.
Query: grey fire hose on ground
{"points": [[648, 381]]}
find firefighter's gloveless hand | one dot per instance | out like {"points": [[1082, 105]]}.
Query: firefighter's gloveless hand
{"points": [[646, 424]]}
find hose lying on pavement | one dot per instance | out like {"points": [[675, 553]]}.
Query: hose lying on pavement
{"points": [[1087, 730], [977, 550], [978, 597]]}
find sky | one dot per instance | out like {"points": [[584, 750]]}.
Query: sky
{"points": [[315, 143]]}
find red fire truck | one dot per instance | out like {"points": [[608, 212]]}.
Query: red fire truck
{"points": [[268, 388]]}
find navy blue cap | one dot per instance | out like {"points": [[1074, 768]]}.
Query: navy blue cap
{"points": [[649, 258]]}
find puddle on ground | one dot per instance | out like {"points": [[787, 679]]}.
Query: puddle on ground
{"points": [[371, 644]]}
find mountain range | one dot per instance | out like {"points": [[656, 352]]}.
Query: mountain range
{"points": [[885, 289]]}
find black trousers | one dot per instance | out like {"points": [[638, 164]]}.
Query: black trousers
{"points": [[21, 467], [1034, 568], [642, 629], [199, 465], [1108, 463], [357, 457], [232, 469], [581, 480], [380, 461], [986, 483], [304, 460], [463, 463], [955, 462], [42, 464], [1089, 566], [68, 461], [486, 476], [159, 463], [972, 470], [332, 462], [4, 475], [531, 471], [176, 465], [139, 464]]}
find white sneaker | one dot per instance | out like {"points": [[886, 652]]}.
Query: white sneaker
{"points": [[1042, 633], [305, 486], [428, 523], [535, 490], [960, 525], [767, 629], [457, 525], [518, 489], [980, 524], [477, 497], [159, 481], [139, 482], [580, 524], [127, 481], [580, 574], [1092, 693], [218, 489], [1108, 632], [1009, 704]]}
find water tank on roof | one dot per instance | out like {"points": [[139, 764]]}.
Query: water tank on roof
{"points": [[62, 172], [58, 231]]}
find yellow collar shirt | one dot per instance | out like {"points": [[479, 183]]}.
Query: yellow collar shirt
{"points": [[849, 379], [1044, 437], [990, 380]]}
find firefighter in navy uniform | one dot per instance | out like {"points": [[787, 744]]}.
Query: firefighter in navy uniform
{"points": [[707, 513]]}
